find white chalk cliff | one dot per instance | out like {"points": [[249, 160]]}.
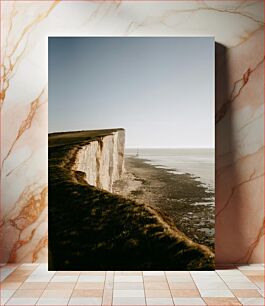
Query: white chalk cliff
{"points": [[102, 160]]}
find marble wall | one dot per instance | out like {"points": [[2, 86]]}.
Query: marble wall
{"points": [[238, 30]]}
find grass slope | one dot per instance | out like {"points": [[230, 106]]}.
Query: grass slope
{"points": [[90, 229]]}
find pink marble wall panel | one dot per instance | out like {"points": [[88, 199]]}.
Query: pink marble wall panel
{"points": [[238, 27], [240, 152]]}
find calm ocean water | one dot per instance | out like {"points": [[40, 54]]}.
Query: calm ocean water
{"points": [[198, 162]]}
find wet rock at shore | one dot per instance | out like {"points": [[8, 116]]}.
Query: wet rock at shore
{"points": [[180, 198]]}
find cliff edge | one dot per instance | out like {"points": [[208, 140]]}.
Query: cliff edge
{"points": [[92, 229]]}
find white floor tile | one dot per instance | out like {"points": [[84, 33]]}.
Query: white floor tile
{"points": [[180, 279], [216, 293], [159, 301], [128, 293], [64, 279], [91, 278], [129, 289], [96, 273], [42, 273], [128, 279], [128, 286], [43, 269], [241, 285], [56, 293], [122, 301], [53, 301], [85, 301], [189, 301], [22, 301], [251, 267], [205, 276], [43, 266], [251, 301], [6, 293], [211, 285], [40, 279], [203, 273], [153, 273], [177, 273], [208, 279], [235, 279], [232, 272]]}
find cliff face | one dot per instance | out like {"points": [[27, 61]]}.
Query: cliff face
{"points": [[93, 229], [102, 160]]}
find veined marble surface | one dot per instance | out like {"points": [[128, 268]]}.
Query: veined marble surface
{"points": [[238, 29]]}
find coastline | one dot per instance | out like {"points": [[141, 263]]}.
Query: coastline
{"points": [[181, 199], [93, 229]]}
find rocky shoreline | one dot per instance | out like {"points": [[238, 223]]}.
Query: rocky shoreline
{"points": [[93, 229], [181, 199]]}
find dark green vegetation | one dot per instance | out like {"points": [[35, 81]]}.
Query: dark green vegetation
{"points": [[91, 229]]}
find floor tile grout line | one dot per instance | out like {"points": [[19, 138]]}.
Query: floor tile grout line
{"points": [[169, 288], [9, 297], [15, 290], [73, 288], [233, 292], [102, 296], [227, 287], [236, 289], [145, 298], [113, 273], [195, 284], [69, 298], [13, 271], [43, 289], [222, 276], [208, 289], [112, 290], [225, 284]]}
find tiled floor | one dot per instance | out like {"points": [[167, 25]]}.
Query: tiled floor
{"points": [[33, 284]]}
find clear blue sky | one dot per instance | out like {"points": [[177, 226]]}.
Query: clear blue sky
{"points": [[160, 89]]}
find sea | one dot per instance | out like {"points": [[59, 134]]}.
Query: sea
{"points": [[197, 162]]}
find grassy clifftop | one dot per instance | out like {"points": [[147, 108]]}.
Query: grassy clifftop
{"points": [[90, 229]]}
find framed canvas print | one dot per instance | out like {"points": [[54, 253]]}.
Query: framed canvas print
{"points": [[131, 153]]}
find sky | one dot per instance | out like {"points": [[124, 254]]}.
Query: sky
{"points": [[159, 89]]}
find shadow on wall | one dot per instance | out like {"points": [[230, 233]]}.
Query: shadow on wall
{"points": [[221, 105], [225, 150]]}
